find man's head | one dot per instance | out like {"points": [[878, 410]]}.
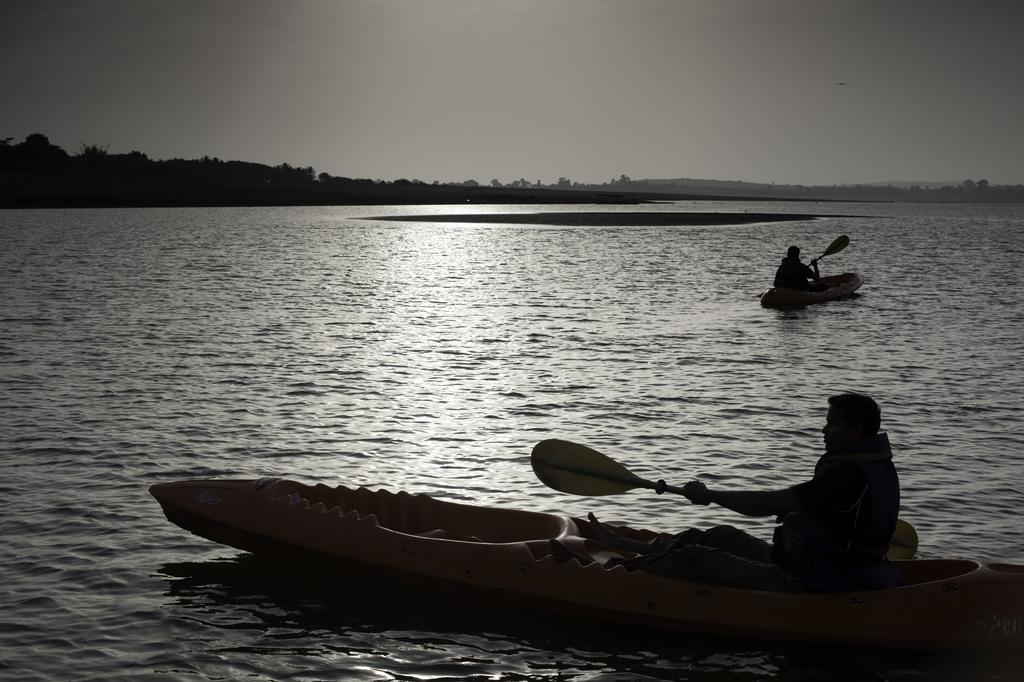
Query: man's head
{"points": [[851, 416], [793, 252]]}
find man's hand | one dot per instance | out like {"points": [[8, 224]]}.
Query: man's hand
{"points": [[814, 261], [697, 492]]}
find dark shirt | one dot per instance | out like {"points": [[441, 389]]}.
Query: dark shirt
{"points": [[792, 274], [839, 538], [837, 498]]}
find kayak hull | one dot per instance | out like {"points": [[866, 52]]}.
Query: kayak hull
{"points": [[839, 286], [502, 557]]}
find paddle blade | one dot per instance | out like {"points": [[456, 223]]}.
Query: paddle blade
{"points": [[579, 470], [903, 544], [837, 245]]}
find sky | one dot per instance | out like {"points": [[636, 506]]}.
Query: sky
{"points": [[814, 92]]}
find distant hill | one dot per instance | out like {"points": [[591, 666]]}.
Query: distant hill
{"points": [[967, 191], [739, 184], [907, 184]]}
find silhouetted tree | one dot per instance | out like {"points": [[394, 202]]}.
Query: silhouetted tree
{"points": [[7, 153], [286, 173], [92, 154], [36, 153]]}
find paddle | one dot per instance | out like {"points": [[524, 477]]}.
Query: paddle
{"points": [[837, 245], [903, 545], [579, 470]]}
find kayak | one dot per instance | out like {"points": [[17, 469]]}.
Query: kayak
{"points": [[839, 286], [503, 557]]}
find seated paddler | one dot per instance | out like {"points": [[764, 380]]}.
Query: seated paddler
{"points": [[793, 274], [832, 532]]}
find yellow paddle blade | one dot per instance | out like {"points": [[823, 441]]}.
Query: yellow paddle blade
{"points": [[577, 469], [903, 544], [837, 245]]}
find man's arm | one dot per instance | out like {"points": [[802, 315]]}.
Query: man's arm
{"points": [[746, 502]]}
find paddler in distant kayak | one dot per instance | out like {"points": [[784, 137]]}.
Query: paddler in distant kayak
{"points": [[833, 530], [793, 274]]}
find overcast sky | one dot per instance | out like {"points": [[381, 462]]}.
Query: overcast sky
{"points": [[586, 89]]}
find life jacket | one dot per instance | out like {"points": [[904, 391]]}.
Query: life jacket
{"points": [[849, 553], [792, 274]]}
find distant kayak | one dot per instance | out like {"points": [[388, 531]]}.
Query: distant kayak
{"points": [[502, 557], [839, 286]]}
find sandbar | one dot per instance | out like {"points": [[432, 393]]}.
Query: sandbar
{"points": [[609, 218]]}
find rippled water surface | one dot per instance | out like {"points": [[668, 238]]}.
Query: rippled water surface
{"points": [[139, 346]]}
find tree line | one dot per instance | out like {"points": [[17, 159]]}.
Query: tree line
{"points": [[37, 172], [38, 154]]}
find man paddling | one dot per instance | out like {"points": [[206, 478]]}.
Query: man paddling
{"points": [[793, 274], [834, 529]]}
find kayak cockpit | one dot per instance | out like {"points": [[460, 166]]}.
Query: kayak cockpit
{"points": [[919, 572]]}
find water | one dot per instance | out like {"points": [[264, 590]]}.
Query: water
{"points": [[139, 346]]}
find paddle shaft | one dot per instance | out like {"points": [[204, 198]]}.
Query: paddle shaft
{"points": [[661, 487]]}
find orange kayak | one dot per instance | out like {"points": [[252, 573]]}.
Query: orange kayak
{"points": [[839, 286], [502, 556]]}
